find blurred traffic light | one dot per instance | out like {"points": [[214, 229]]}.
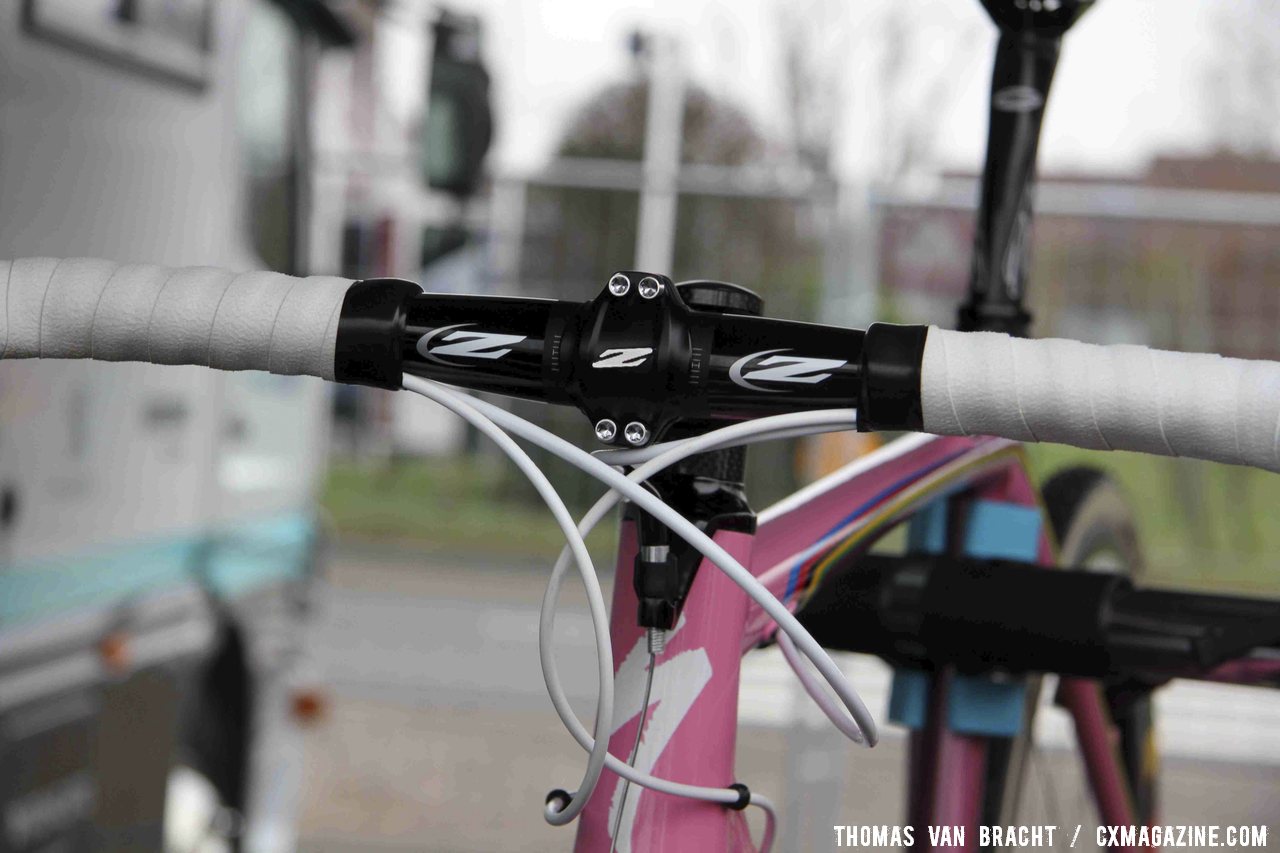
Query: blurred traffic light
{"points": [[459, 125]]}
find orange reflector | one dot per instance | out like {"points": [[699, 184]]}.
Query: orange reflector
{"points": [[308, 705], [115, 652]]}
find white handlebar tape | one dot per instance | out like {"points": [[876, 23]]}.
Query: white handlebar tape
{"points": [[1102, 397], [81, 308]]}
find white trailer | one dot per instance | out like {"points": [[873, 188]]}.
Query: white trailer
{"points": [[157, 525]]}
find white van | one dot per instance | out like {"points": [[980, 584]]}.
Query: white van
{"points": [[158, 525]]}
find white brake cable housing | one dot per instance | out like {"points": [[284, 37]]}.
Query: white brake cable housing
{"points": [[492, 420], [461, 405]]}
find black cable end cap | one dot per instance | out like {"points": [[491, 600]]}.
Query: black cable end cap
{"points": [[560, 798], [371, 332], [744, 797]]}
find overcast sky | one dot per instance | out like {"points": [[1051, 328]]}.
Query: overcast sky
{"points": [[1130, 82]]}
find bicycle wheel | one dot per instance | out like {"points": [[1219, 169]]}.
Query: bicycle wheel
{"points": [[1028, 782]]}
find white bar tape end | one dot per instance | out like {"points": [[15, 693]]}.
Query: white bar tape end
{"points": [[82, 308], [1102, 397]]}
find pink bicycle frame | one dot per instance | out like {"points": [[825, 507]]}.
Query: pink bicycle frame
{"points": [[691, 720]]}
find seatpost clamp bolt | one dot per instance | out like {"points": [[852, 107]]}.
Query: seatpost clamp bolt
{"points": [[636, 433], [649, 287], [606, 430], [619, 285]]}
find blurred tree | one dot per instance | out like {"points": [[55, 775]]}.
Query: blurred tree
{"points": [[581, 236], [610, 125], [874, 74], [576, 238], [1241, 89], [812, 78]]}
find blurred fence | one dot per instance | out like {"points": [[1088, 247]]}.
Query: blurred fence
{"points": [[1111, 263], [1182, 269]]}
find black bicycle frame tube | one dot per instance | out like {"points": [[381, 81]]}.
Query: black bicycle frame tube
{"points": [[988, 616], [1024, 65]]}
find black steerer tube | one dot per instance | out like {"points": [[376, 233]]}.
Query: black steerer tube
{"points": [[1019, 87], [1026, 57]]}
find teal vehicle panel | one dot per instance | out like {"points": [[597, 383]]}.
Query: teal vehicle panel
{"points": [[229, 562]]}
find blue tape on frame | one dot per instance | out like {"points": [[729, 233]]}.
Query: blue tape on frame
{"points": [[978, 705], [1000, 531], [927, 530], [909, 697], [909, 693]]}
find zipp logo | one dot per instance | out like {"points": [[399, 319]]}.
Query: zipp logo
{"points": [[624, 357], [791, 369], [453, 341], [1017, 99]]}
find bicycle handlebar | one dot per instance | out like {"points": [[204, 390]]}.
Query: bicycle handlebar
{"points": [[639, 354], [628, 358], [1118, 397], [81, 308]]}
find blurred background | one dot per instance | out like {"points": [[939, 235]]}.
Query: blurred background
{"points": [[241, 606]]}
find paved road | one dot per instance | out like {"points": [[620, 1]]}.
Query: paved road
{"points": [[441, 736]]}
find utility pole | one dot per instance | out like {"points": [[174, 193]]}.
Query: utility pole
{"points": [[663, 135]]}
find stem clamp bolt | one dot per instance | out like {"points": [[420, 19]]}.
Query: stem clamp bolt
{"points": [[619, 285], [649, 287], [606, 430], [636, 433]]}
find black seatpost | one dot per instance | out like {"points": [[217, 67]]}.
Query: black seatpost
{"points": [[1026, 55]]}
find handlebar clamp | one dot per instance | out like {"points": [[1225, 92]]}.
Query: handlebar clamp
{"points": [[638, 359], [631, 358]]}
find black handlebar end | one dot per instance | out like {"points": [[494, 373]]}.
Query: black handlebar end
{"points": [[370, 329], [890, 394]]}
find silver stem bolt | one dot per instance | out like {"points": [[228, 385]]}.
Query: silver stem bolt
{"points": [[606, 430], [636, 433], [619, 285], [649, 287]]}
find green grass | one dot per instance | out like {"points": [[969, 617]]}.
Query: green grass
{"points": [[1213, 527], [1205, 526], [459, 505]]}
